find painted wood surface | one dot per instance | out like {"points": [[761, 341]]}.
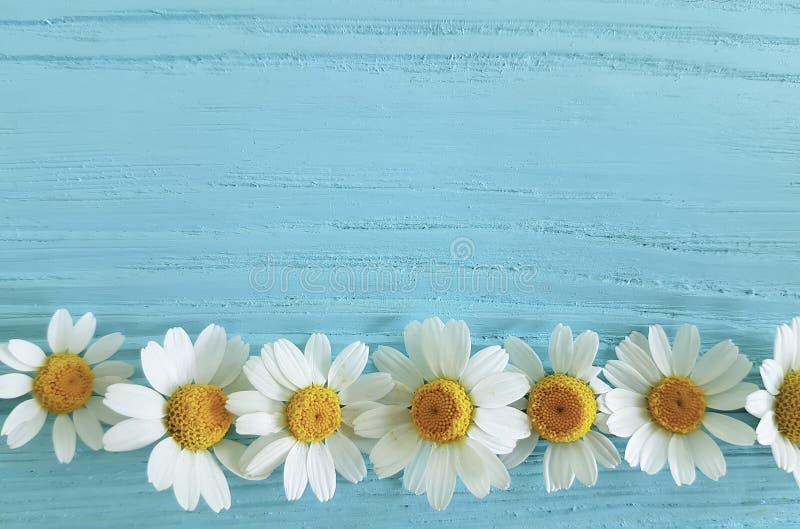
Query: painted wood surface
{"points": [[283, 168]]}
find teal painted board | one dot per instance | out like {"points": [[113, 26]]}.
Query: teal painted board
{"points": [[285, 168]]}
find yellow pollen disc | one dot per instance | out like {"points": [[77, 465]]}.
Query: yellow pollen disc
{"points": [[677, 404], [441, 411], [313, 414], [64, 383], [562, 408], [787, 407], [196, 416]]}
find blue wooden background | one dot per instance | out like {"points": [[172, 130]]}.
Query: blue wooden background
{"points": [[288, 167]]}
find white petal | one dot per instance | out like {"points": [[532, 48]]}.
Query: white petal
{"points": [[369, 387], [767, 430], [440, 476], [759, 402], [732, 399], [639, 359], [243, 402], [23, 412], [784, 453], [603, 449], [495, 444], [684, 354], [624, 422], [178, 347], [620, 398], [11, 361], [236, 353], [27, 430], [622, 375], [268, 458], [185, 485], [135, 401], [521, 451], [159, 369], [104, 348], [469, 467], [230, 454], [82, 332], [637, 442], [486, 362], [295, 471], [524, 357], [395, 451], [292, 363], [725, 381], [348, 366], [133, 434], [318, 357], [102, 412], [88, 428], [496, 470], [706, 454], [784, 347], [59, 331], [499, 390], [431, 338], [715, 361], [209, 349], [346, 457], [729, 429], [654, 452], [352, 411], [582, 462], [260, 423], [379, 421], [114, 369], [321, 471], [257, 374], [772, 375], [414, 474], [213, 485], [161, 464], [681, 462], [503, 422], [15, 385], [412, 336], [557, 472], [586, 345], [561, 349], [64, 438], [456, 348], [398, 365], [796, 332], [26, 352], [660, 350]]}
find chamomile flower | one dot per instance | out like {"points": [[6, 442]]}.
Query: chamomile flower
{"points": [[301, 409], [778, 406], [64, 384], [561, 408], [194, 378], [662, 398], [449, 414]]}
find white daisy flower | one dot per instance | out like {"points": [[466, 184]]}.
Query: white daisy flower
{"points": [[778, 406], [662, 399], [195, 379], [63, 383], [562, 407], [449, 415], [301, 409]]}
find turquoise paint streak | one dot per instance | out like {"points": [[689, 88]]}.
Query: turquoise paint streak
{"points": [[615, 163]]}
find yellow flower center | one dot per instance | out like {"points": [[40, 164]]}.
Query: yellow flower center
{"points": [[313, 414], [787, 407], [196, 416], [677, 404], [441, 411], [64, 383], [562, 408]]}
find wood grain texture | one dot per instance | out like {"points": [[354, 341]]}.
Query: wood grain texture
{"points": [[283, 168]]}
